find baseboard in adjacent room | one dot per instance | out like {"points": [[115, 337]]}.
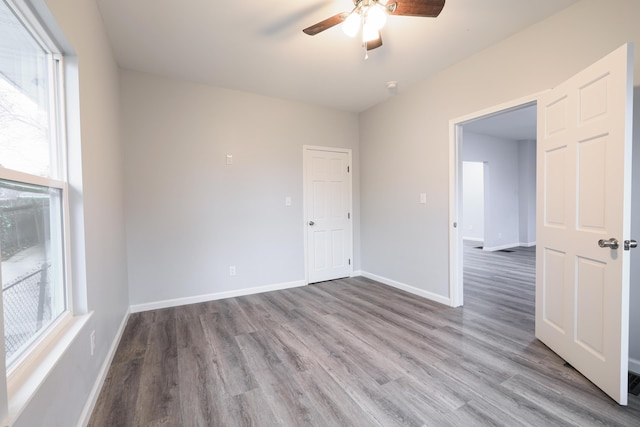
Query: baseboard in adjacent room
{"points": [[501, 247], [402, 286], [634, 366], [136, 308]]}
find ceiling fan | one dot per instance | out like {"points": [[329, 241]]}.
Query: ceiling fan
{"points": [[371, 15]]}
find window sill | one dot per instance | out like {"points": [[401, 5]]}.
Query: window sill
{"points": [[25, 381]]}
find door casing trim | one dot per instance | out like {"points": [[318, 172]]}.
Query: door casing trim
{"points": [[456, 297]]}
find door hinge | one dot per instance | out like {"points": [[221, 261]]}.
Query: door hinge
{"points": [[349, 261], [348, 169], [348, 215]]}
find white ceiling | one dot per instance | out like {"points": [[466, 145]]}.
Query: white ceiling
{"points": [[259, 46], [518, 124]]}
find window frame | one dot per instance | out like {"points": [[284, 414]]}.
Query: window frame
{"points": [[24, 363]]}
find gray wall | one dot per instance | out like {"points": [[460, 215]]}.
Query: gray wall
{"points": [[634, 313], [190, 215], [97, 199], [510, 188], [404, 142], [527, 191], [504, 165]]}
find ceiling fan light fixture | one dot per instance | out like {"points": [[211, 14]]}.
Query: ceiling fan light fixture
{"points": [[371, 16], [369, 33], [351, 25], [377, 16]]}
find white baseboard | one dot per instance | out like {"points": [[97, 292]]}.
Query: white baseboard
{"points": [[634, 366], [508, 246], [501, 247], [102, 375], [420, 292], [215, 296]]}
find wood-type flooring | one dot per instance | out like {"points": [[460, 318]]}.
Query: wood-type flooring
{"points": [[354, 352]]}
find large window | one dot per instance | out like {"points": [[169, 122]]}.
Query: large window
{"points": [[32, 186]]}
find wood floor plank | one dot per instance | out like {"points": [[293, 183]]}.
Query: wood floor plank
{"points": [[354, 352], [249, 409], [158, 390], [230, 365], [117, 403], [133, 343], [233, 320], [202, 400], [561, 404], [332, 401], [283, 393]]}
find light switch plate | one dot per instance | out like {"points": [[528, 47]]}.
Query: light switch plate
{"points": [[287, 201], [229, 159], [423, 198]]}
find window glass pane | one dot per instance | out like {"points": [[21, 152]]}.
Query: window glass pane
{"points": [[25, 143], [33, 288]]}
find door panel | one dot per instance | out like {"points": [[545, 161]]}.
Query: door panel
{"points": [[592, 179], [584, 178], [328, 222], [589, 308], [553, 291], [555, 197]]}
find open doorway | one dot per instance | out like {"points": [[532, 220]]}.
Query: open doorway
{"points": [[494, 185]]}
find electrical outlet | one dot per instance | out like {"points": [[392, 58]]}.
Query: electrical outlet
{"points": [[232, 270], [93, 342]]}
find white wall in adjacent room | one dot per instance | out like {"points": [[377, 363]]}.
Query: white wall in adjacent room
{"points": [[527, 192], [501, 187], [634, 311], [473, 201]]}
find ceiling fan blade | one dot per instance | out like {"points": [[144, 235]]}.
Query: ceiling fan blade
{"points": [[376, 43], [326, 24], [427, 8]]}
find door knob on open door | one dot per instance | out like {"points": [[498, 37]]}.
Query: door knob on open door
{"points": [[312, 223], [612, 243]]}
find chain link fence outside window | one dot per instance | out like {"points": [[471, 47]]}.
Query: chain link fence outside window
{"points": [[27, 307], [26, 287]]}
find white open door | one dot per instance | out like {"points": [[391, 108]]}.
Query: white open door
{"points": [[327, 193], [584, 196]]}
